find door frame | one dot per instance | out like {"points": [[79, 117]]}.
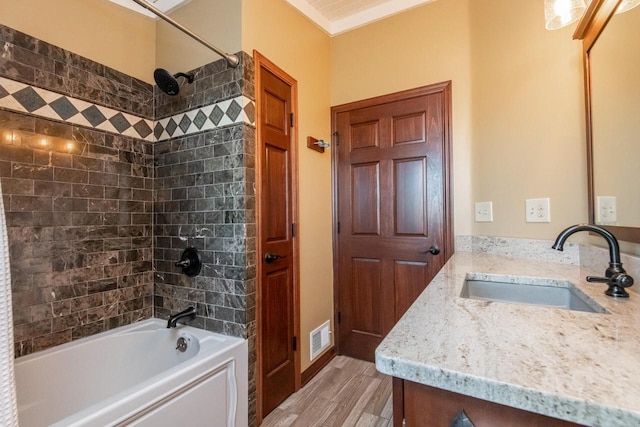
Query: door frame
{"points": [[448, 244], [261, 61]]}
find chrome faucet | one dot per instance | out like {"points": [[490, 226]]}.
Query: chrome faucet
{"points": [[173, 320], [615, 276]]}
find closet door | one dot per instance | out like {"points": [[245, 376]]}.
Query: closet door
{"points": [[392, 213]]}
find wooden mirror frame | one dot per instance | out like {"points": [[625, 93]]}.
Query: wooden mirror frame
{"points": [[592, 24]]}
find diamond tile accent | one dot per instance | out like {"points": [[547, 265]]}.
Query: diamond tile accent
{"points": [[171, 127], [64, 108], [157, 130], [120, 123], [250, 111], [94, 116], [20, 97], [185, 123], [29, 99], [234, 110], [200, 119], [223, 113], [216, 115], [142, 128]]}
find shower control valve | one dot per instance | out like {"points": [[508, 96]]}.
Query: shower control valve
{"points": [[190, 262]]}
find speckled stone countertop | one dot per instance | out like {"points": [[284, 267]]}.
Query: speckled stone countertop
{"points": [[577, 366]]}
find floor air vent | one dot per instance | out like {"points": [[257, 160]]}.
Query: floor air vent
{"points": [[319, 339]]}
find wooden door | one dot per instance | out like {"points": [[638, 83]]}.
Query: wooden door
{"points": [[393, 209], [277, 268]]}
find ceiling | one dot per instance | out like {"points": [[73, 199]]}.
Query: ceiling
{"points": [[333, 16], [339, 16], [165, 6]]}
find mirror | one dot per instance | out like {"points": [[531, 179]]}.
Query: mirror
{"points": [[612, 61]]}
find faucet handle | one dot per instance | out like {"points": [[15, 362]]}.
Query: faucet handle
{"points": [[617, 282], [596, 279], [623, 280]]}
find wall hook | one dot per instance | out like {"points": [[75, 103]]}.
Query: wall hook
{"points": [[317, 144]]}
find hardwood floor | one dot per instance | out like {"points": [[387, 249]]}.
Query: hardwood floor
{"points": [[347, 392]]}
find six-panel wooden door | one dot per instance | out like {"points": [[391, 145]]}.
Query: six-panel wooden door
{"points": [[393, 212]]}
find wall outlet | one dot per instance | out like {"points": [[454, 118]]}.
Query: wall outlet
{"points": [[484, 212], [607, 212], [538, 210]]}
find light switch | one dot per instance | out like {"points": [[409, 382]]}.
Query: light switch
{"points": [[484, 212], [607, 211]]}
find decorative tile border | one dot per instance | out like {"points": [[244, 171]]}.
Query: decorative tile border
{"points": [[25, 98], [232, 111]]}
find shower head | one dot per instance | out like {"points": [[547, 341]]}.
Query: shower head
{"points": [[168, 83]]}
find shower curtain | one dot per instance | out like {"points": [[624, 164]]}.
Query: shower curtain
{"points": [[8, 405]]}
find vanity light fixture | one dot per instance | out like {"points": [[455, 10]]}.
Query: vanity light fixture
{"points": [[560, 13], [626, 5]]}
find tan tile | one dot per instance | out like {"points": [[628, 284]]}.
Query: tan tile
{"points": [[379, 399], [358, 408], [387, 411], [315, 414], [368, 420], [279, 418], [339, 361], [352, 399], [301, 399], [346, 393]]}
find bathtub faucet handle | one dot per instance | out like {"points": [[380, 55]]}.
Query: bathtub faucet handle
{"points": [[190, 262], [184, 263]]}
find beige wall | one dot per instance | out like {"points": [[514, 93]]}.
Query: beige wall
{"points": [[528, 118], [518, 126], [217, 21], [301, 49], [97, 29], [424, 45]]}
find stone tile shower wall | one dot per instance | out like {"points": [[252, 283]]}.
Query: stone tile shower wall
{"points": [[204, 198], [78, 201], [85, 253]]}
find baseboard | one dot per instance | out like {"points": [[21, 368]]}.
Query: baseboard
{"points": [[317, 366]]}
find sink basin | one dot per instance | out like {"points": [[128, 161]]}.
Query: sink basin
{"points": [[528, 290]]}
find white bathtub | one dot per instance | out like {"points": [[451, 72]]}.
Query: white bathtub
{"points": [[135, 376]]}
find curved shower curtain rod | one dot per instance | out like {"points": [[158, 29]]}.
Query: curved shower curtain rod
{"points": [[231, 59]]}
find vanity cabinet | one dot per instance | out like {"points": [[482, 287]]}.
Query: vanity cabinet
{"points": [[423, 406]]}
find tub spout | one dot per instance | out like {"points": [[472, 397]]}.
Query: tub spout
{"points": [[173, 320]]}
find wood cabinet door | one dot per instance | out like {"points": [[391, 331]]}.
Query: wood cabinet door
{"points": [[425, 406], [392, 213]]}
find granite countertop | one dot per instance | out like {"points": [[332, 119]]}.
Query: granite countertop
{"points": [[577, 366]]}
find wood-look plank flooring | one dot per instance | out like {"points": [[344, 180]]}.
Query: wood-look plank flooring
{"points": [[346, 393]]}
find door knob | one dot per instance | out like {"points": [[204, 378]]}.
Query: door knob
{"points": [[433, 250], [269, 258]]}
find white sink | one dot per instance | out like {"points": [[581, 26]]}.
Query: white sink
{"points": [[529, 290]]}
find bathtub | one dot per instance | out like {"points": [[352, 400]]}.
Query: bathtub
{"points": [[136, 376]]}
